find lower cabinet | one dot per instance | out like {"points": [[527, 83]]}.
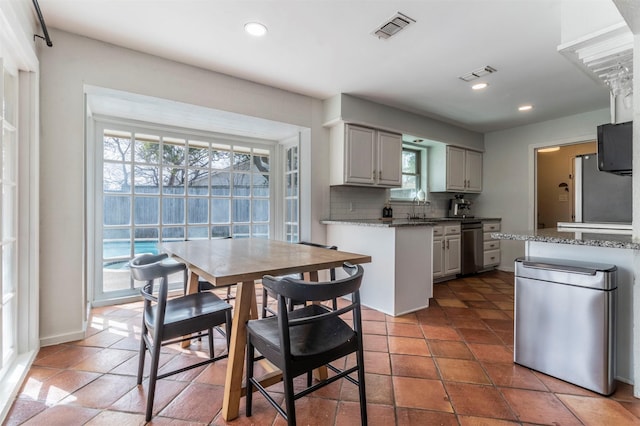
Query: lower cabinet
{"points": [[446, 250], [491, 246]]}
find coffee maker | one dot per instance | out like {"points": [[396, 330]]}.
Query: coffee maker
{"points": [[459, 207]]}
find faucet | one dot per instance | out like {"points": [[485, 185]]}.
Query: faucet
{"points": [[419, 199]]}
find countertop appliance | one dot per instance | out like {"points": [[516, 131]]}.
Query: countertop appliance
{"points": [[565, 314], [472, 247], [459, 207], [600, 197]]}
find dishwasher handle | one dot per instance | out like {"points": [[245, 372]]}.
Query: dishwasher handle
{"points": [[559, 268]]}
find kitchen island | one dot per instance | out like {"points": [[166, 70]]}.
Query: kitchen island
{"points": [[399, 278], [592, 245]]}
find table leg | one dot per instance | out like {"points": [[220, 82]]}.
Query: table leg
{"points": [[244, 303]]}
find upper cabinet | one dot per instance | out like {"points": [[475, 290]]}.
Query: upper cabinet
{"points": [[453, 169], [364, 156]]}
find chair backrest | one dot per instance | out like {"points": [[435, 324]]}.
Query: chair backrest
{"points": [[296, 289], [332, 271], [149, 267]]}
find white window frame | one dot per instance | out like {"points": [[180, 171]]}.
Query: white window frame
{"points": [[95, 181], [422, 181]]}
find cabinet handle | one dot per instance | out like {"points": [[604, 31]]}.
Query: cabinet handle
{"points": [[442, 244], [373, 175], [447, 244], [380, 175]]}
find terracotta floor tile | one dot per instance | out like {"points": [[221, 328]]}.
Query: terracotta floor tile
{"points": [[66, 357], [109, 418], [378, 387], [416, 417], [421, 393], [461, 370], [374, 327], [135, 401], [410, 318], [404, 330], [479, 336], [480, 304], [102, 392], [560, 386], [499, 324], [104, 361], [63, 415], [484, 421], [491, 314], [469, 295], [598, 411], [61, 385], [262, 413], [449, 349], [372, 315], [408, 346], [375, 362], [413, 366], [472, 323], [197, 402], [513, 376], [491, 353], [373, 342], [461, 314], [451, 303], [440, 332], [478, 401], [313, 411], [102, 339], [22, 410], [538, 407], [377, 415], [214, 374]]}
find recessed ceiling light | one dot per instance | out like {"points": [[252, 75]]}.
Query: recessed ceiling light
{"points": [[479, 86], [525, 108], [255, 29]]}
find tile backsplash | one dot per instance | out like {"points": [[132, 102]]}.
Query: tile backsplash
{"points": [[351, 202]]}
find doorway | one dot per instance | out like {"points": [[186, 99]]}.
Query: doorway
{"points": [[555, 182]]}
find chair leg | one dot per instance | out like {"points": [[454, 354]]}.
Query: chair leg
{"points": [[265, 297], [361, 387], [142, 353], [249, 370], [153, 375], [289, 400], [227, 329], [211, 353]]}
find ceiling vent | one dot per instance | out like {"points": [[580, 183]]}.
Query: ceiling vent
{"points": [[480, 72], [393, 26]]}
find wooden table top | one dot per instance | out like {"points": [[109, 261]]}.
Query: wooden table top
{"points": [[230, 261]]}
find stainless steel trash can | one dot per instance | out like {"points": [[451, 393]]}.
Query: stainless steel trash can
{"points": [[565, 320]]}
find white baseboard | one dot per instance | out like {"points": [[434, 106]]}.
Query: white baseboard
{"points": [[62, 338]]}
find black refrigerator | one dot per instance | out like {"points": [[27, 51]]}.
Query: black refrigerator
{"points": [[600, 197]]}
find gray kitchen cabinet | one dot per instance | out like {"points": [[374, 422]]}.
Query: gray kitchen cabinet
{"points": [[491, 246], [364, 156], [454, 169], [446, 251]]}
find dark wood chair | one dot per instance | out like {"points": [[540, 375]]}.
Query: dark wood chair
{"points": [[307, 338], [293, 303], [166, 321]]}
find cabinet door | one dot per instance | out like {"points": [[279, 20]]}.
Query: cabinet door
{"points": [[455, 169], [360, 148], [473, 171], [438, 257], [389, 168], [452, 255]]}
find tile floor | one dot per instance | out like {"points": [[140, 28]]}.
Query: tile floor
{"points": [[450, 364]]}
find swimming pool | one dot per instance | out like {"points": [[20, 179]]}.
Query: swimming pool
{"points": [[117, 250]]}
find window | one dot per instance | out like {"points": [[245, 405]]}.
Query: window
{"points": [[160, 186], [412, 179]]}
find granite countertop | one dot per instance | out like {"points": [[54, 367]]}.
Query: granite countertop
{"points": [[581, 237], [391, 223]]}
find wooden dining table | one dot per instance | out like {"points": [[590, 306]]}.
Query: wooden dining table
{"points": [[225, 262]]}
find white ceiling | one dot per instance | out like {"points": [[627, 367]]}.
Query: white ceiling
{"points": [[322, 48]]}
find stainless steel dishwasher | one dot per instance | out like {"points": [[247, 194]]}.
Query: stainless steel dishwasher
{"points": [[472, 247], [565, 320]]}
